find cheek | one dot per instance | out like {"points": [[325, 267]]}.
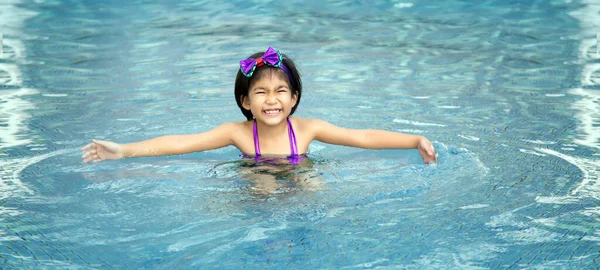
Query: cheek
{"points": [[286, 96], [255, 100]]}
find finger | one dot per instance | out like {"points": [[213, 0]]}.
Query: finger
{"points": [[427, 158], [90, 153], [430, 149], [87, 146], [430, 161]]}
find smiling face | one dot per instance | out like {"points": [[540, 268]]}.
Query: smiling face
{"points": [[270, 98]]}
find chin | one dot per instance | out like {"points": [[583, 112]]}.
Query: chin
{"points": [[272, 120]]}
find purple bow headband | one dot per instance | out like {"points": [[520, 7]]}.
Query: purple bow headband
{"points": [[271, 57]]}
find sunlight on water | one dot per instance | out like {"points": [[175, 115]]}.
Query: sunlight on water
{"points": [[589, 111], [588, 187], [13, 108]]}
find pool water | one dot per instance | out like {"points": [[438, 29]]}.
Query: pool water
{"points": [[506, 90]]}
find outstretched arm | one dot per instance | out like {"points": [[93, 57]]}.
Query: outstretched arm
{"points": [[373, 139], [160, 146]]}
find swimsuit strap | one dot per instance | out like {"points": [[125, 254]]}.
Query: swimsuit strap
{"points": [[256, 144], [291, 134]]}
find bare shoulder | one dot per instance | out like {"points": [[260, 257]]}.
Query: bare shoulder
{"points": [[307, 123], [302, 125], [310, 127], [230, 128], [239, 133], [237, 126]]}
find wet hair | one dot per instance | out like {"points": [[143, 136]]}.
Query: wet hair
{"points": [[242, 83]]}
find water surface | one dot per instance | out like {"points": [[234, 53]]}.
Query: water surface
{"points": [[506, 90]]}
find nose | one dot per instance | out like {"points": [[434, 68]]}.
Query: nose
{"points": [[271, 99]]}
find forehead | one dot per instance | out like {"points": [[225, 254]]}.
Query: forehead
{"points": [[269, 75]]}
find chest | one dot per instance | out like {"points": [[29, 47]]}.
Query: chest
{"points": [[279, 144]]}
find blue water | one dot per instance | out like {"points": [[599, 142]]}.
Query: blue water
{"points": [[506, 90]]}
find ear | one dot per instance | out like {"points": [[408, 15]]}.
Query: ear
{"points": [[245, 102], [294, 98]]}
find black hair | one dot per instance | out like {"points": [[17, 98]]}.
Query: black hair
{"points": [[242, 83]]}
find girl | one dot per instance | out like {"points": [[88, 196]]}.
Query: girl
{"points": [[267, 90]]}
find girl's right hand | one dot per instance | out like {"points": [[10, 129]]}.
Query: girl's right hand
{"points": [[99, 150]]}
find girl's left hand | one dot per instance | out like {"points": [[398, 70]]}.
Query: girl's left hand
{"points": [[427, 151]]}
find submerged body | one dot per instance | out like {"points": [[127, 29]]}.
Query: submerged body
{"points": [[277, 174]]}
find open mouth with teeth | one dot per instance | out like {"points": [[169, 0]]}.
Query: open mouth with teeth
{"points": [[272, 112]]}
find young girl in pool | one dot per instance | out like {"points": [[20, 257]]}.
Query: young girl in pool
{"points": [[268, 89]]}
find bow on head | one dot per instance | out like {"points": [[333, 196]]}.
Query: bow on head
{"points": [[271, 58]]}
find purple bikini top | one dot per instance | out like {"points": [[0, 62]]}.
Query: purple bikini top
{"points": [[294, 158]]}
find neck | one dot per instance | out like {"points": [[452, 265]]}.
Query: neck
{"points": [[267, 131]]}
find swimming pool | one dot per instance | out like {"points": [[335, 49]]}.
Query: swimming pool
{"points": [[506, 90]]}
